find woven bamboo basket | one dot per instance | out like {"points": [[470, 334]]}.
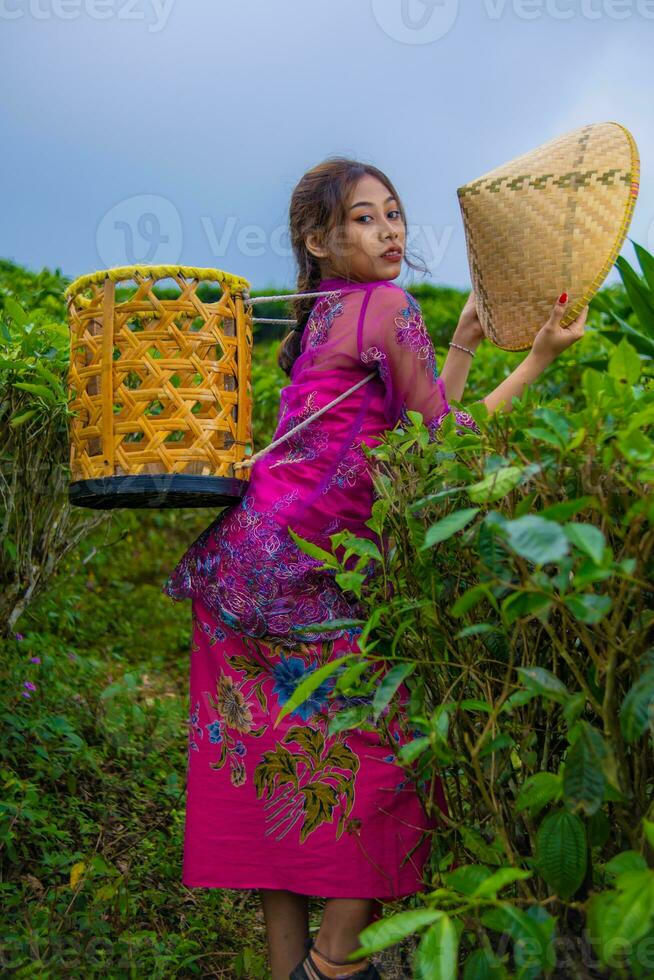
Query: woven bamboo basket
{"points": [[549, 221], [160, 388]]}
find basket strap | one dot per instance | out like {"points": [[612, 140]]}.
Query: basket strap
{"points": [[246, 463], [250, 301]]}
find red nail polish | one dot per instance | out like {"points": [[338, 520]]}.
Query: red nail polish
{"points": [[563, 298]]}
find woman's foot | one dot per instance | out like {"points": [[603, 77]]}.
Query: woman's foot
{"points": [[316, 966]]}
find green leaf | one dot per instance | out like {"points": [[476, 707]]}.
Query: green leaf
{"points": [[546, 435], [387, 932], [336, 624], [588, 608], [624, 363], [636, 447], [583, 773], [436, 956], [531, 945], [500, 879], [412, 749], [309, 685], [625, 861], [475, 629], [625, 915], [517, 700], [313, 550], [23, 416], [530, 966], [642, 343], [35, 389], [473, 704], [537, 539], [502, 741], [639, 297], [449, 525], [353, 717], [15, 311], [567, 508], [483, 964], [470, 598], [351, 581], [496, 485], [634, 711], [524, 604], [378, 512], [587, 538], [574, 707], [350, 676], [561, 851], [475, 843], [417, 505], [556, 421], [537, 791], [45, 372], [646, 263], [588, 572], [361, 546], [543, 682], [467, 878], [389, 685]]}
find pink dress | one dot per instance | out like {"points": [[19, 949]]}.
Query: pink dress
{"points": [[292, 806]]}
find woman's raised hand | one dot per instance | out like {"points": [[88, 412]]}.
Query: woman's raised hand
{"points": [[469, 326], [552, 339]]}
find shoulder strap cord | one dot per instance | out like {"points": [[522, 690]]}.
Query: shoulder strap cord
{"points": [[246, 463]]}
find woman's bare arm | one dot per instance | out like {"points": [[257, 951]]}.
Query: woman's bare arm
{"points": [[457, 363], [551, 340], [528, 370]]}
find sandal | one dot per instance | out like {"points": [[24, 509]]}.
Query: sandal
{"points": [[301, 971]]}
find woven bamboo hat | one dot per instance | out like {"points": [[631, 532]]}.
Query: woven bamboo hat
{"points": [[550, 220]]}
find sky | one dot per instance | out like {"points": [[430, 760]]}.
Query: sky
{"points": [[174, 131]]}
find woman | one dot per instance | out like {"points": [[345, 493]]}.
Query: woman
{"points": [[292, 810]]}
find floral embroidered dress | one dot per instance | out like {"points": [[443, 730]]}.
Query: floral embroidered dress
{"points": [[292, 806]]}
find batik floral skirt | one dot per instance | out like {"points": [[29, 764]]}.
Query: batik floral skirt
{"points": [[292, 807]]}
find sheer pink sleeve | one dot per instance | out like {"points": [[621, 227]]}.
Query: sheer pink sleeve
{"points": [[392, 333]]}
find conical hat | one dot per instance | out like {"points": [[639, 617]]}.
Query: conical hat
{"points": [[550, 220]]}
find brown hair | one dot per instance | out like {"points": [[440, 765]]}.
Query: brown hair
{"points": [[318, 204]]}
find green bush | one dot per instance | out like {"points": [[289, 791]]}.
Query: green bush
{"points": [[514, 595], [94, 699], [513, 592]]}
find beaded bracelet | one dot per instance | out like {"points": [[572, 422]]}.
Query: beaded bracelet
{"points": [[459, 347]]}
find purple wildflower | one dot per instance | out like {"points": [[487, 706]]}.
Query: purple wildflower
{"points": [[35, 660], [29, 685]]}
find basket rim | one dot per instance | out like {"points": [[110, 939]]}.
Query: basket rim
{"points": [[116, 273]]}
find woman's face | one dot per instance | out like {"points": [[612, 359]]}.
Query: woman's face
{"points": [[370, 246]]}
